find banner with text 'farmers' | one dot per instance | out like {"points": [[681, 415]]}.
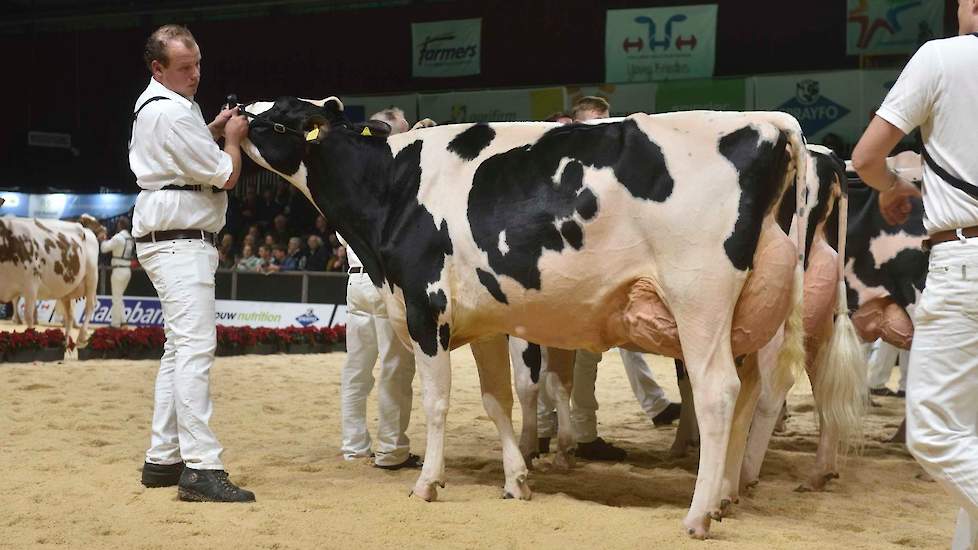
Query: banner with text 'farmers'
{"points": [[446, 48]]}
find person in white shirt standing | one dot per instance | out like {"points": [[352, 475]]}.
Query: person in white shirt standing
{"points": [[936, 92], [123, 248], [369, 334], [180, 209]]}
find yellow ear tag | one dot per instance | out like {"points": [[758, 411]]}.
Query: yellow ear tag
{"points": [[366, 132], [312, 134]]}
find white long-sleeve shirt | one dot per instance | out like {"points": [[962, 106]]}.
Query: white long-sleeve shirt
{"points": [[171, 145]]}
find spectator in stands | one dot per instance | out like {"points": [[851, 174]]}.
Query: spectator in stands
{"points": [[318, 256], [225, 254], [249, 240], [393, 117], [269, 241], [295, 257], [338, 261], [589, 108], [248, 261], [560, 117], [249, 207], [280, 230], [282, 194], [267, 208], [321, 229], [278, 260], [264, 258]]}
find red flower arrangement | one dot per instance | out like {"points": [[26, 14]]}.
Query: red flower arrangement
{"points": [[236, 337], [31, 339]]}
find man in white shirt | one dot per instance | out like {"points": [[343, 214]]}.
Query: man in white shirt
{"points": [[123, 248], [368, 334], [181, 208], [936, 92]]}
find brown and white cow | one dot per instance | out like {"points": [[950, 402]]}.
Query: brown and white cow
{"points": [[50, 260], [656, 233]]}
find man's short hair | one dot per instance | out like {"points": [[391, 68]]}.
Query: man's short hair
{"points": [[279, 248], [156, 43], [392, 116], [122, 223], [590, 103]]}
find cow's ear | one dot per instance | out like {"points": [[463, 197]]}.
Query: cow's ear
{"points": [[374, 128]]}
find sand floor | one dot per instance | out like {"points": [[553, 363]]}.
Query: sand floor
{"points": [[73, 434]]}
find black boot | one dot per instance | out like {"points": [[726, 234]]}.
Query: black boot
{"points": [[543, 445], [211, 486], [668, 415], [599, 449], [161, 475]]}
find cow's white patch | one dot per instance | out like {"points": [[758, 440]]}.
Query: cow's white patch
{"points": [[886, 246], [503, 245], [258, 107], [560, 170], [324, 101], [864, 292]]}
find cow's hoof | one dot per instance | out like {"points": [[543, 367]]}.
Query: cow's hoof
{"points": [[717, 515], [563, 461], [698, 529], [519, 489], [426, 492], [726, 506], [748, 486]]}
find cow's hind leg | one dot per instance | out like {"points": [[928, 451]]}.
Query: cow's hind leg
{"points": [[560, 383], [687, 434], [528, 372], [767, 410], [497, 398], [750, 391]]}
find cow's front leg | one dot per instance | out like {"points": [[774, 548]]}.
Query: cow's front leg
{"points": [[436, 385], [527, 363], [560, 382], [497, 398]]}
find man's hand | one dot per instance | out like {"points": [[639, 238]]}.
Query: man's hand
{"points": [[235, 129], [222, 118], [895, 202]]}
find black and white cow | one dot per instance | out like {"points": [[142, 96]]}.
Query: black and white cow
{"points": [[655, 233]]}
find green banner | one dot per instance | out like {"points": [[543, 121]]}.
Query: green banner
{"points": [[647, 44], [446, 48], [729, 94], [892, 26]]}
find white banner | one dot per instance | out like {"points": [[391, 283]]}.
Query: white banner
{"points": [[144, 311], [625, 99], [446, 48], [358, 109], [491, 105], [648, 44]]}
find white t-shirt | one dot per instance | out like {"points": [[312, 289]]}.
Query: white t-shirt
{"points": [[171, 145], [938, 91], [122, 248]]}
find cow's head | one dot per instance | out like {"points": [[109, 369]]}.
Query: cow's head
{"points": [[284, 132]]}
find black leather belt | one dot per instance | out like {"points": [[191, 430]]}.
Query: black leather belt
{"points": [[176, 234], [189, 188], [355, 270]]}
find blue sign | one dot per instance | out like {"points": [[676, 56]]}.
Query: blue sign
{"points": [[813, 110], [66, 205], [307, 318]]}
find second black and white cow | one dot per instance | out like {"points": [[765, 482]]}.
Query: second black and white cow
{"points": [[655, 233]]}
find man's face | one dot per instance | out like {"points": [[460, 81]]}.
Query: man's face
{"points": [[967, 20], [590, 114], [279, 254], [182, 73]]}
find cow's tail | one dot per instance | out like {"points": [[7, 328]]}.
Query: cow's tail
{"points": [[791, 357], [840, 366]]}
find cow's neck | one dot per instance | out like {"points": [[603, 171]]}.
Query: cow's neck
{"points": [[349, 184]]}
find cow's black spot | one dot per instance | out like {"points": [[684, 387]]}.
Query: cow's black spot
{"points": [[472, 141], [445, 336], [760, 168], [573, 233], [515, 191], [492, 285], [533, 358], [587, 204], [904, 274]]}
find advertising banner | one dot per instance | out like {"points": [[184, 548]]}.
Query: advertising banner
{"points": [[357, 109], [822, 102], [718, 94], [876, 27], [65, 205], [147, 312], [446, 48], [647, 44], [491, 105], [625, 99]]}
